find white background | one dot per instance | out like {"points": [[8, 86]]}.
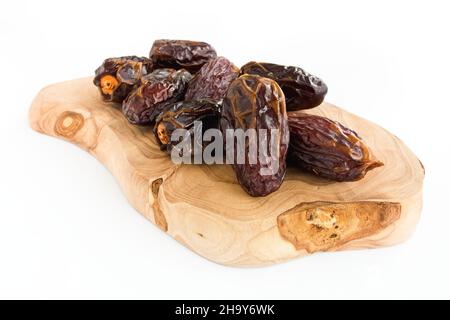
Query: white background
{"points": [[66, 230]]}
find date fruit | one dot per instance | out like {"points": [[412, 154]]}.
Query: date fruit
{"points": [[328, 149], [117, 77], [157, 90], [301, 89], [213, 80], [176, 54], [183, 115], [258, 103]]}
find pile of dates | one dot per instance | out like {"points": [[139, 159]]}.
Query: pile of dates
{"points": [[183, 82]]}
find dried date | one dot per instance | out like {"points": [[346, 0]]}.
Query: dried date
{"points": [[184, 115], [117, 77], [328, 149], [158, 89], [258, 103], [301, 89], [176, 54], [213, 80]]}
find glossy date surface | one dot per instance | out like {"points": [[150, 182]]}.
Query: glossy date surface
{"points": [[176, 54], [117, 77], [254, 102], [328, 149], [213, 80], [157, 90], [301, 89], [184, 115]]}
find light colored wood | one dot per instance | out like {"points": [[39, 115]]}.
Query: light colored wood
{"points": [[205, 209]]}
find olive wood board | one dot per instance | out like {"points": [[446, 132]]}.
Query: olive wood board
{"points": [[204, 208]]}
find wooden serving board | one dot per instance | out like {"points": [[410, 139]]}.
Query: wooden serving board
{"points": [[204, 208]]}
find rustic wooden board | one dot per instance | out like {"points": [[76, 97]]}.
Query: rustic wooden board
{"points": [[205, 209]]}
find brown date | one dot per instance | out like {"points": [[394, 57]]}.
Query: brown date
{"points": [[328, 149], [117, 77], [183, 115], [176, 54], [213, 80], [258, 103], [301, 89], [157, 90]]}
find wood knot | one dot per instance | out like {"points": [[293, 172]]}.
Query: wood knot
{"points": [[68, 124], [323, 226], [320, 218]]}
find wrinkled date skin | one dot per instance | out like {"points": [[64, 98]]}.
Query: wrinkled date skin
{"points": [[182, 115], [213, 80], [301, 89], [117, 77], [328, 149], [157, 90], [254, 102], [176, 54]]}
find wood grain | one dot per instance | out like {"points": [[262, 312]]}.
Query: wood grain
{"points": [[205, 209]]}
